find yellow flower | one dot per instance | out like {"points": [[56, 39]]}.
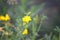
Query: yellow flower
{"points": [[2, 18], [26, 19], [7, 17], [25, 32]]}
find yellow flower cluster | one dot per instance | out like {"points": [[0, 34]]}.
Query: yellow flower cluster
{"points": [[26, 19], [5, 18], [25, 32]]}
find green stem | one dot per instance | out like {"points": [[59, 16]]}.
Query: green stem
{"points": [[59, 35]]}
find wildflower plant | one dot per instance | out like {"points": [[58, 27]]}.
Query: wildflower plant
{"points": [[25, 21]]}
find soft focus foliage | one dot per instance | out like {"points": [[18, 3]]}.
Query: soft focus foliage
{"points": [[21, 21]]}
